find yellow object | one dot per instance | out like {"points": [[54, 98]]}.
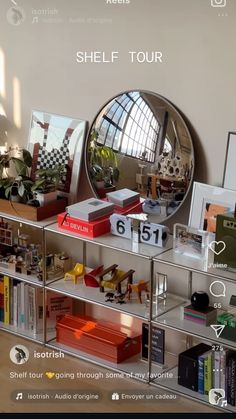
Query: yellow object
{"points": [[75, 273], [6, 281], [50, 375], [114, 280]]}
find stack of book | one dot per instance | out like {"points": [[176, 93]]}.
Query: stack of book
{"points": [[201, 369], [125, 201], [21, 306], [89, 218], [203, 317]]}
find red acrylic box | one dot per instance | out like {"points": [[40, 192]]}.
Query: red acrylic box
{"points": [[84, 228], [102, 339]]}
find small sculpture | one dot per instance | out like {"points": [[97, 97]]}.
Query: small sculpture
{"points": [[75, 273], [138, 288]]}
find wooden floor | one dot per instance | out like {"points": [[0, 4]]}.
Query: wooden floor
{"points": [[70, 364]]}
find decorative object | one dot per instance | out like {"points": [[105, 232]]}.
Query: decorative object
{"points": [[158, 344], [205, 316], [84, 228], [225, 241], [123, 197], [190, 241], [229, 179], [200, 300], [75, 273], [207, 202], [112, 278], [90, 210], [160, 288], [102, 339], [137, 129], [5, 233], [138, 288], [154, 234], [90, 279], [121, 226], [55, 141]]}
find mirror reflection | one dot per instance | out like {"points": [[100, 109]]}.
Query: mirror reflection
{"points": [[141, 142]]}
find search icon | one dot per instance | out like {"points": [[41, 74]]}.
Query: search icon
{"points": [[217, 290]]}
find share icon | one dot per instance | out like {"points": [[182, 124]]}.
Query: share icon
{"points": [[218, 329]]}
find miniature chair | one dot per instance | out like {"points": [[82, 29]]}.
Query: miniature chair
{"points": [[138, 288], [75, 273], [117, 277]]}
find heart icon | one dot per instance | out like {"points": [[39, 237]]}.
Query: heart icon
{"points": [[220, 245], [50, 375]]}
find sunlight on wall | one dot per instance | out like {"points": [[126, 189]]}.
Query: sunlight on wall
{"points": [[16, 102], [2, 74], [126, 320], [2, 110]]}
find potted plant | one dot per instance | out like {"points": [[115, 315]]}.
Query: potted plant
{"points": [[103, 162], [46, 186], [16, 188]]}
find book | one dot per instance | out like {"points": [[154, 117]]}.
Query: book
{"points": [[84, 228], [6, 281], [216, 369], [123, 197], [1, 300], [188, 366], [15, 318], [22, 305], [206, 317], [90, 209], [208, 373], [201, 385]]}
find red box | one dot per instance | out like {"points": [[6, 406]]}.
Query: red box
{"points": [[84, 228], [102, 339]]}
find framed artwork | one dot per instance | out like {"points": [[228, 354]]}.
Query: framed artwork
{"points": [[56, 140], [207, 202], [229, 179]]}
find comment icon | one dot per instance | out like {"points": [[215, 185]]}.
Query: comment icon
{"points": [[217, 289]]}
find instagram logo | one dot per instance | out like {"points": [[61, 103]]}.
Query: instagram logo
{"points": [[218, 3]]}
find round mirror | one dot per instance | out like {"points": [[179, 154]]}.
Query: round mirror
{"points": [[140, 141]]}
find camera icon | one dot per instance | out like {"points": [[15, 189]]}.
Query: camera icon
{"points": [[218, 3]]}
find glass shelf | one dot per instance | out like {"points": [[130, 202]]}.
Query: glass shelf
{"points": [[117, 243], [133, 367], [21, 332], [196, 265], [37, 224], [30, 279], [172, 384], [173, 320]]}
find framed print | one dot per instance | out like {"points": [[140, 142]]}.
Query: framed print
{"points": [[229, 180], [208, 202], [56, 140], [190, 241]]}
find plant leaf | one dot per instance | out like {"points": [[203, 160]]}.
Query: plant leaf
{"points": [[27, 158]]}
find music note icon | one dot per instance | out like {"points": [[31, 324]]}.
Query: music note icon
{"points": [[19, 396], [224, 403], [35, 19]]}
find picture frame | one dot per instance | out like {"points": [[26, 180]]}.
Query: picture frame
{"points": [[208, 202], [57, 140], [190, 241], [229, 178]]}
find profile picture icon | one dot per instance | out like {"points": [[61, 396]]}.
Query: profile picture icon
{"points": [[15, 15], [19, 354]]}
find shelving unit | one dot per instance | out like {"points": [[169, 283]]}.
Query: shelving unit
{"points": [[93, 297], [28, 279], [174, 320], [166, 315]]}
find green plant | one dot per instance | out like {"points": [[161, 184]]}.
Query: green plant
{"points": [[20, 185], [48, 180], [103, 161], [21, 165]]}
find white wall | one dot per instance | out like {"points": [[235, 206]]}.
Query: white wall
{"points": [[198, 73]]}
